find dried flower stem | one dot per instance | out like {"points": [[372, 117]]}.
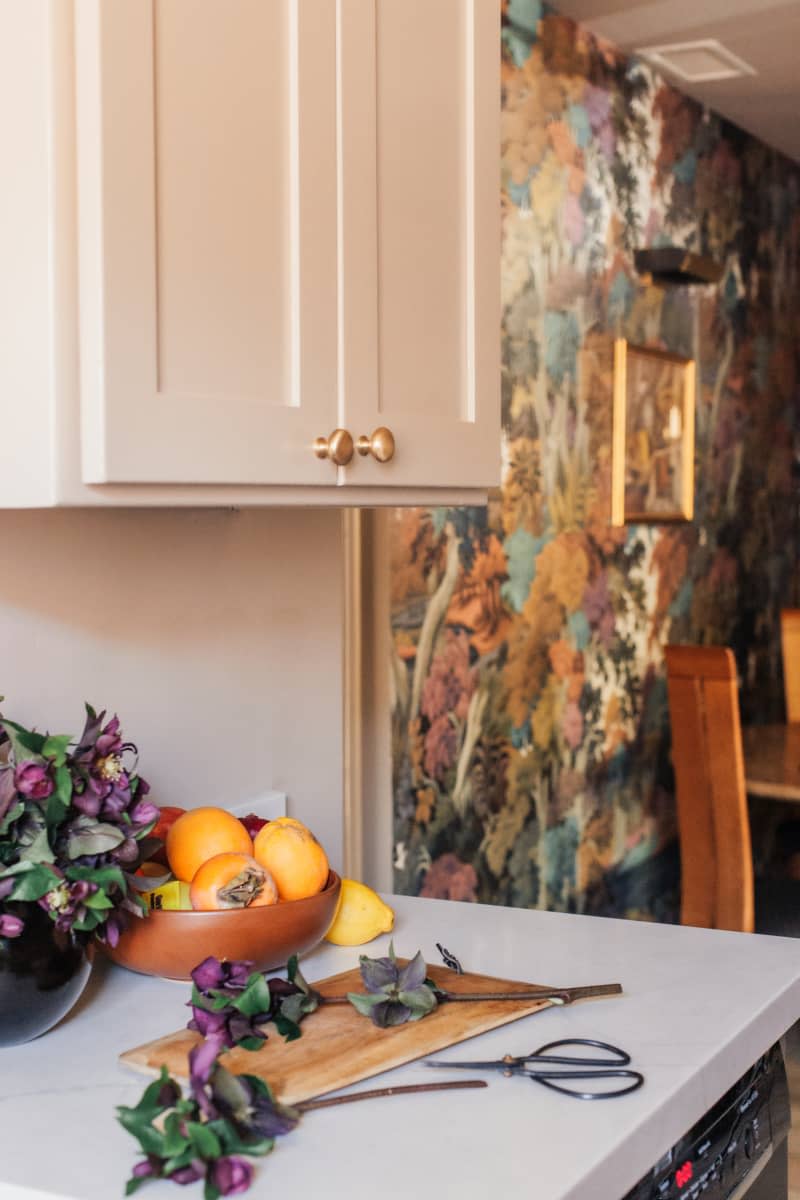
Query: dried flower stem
{"points": [[374, 1093], [562, 995]]}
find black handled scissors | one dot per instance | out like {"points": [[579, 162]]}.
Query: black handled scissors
{"points": [[611, 1063]]}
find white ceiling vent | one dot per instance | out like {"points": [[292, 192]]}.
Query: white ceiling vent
{"points": [[697, 62]]}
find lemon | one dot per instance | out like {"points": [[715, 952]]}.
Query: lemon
{"points": [[360, 917]]}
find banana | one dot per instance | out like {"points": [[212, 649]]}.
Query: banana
{"points": [[360, 917]]}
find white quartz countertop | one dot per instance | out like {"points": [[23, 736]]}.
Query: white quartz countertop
{"points": [[699, 1006]]}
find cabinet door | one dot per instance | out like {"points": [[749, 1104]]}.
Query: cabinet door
{"points": [[420, 245], [207, 185]]}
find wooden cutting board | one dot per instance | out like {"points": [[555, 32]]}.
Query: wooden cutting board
{"points": [[340, 1047]]}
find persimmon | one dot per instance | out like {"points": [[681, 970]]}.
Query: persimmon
{"points": [[200, 834], [293, 857], [167, 816], [231, 881]]}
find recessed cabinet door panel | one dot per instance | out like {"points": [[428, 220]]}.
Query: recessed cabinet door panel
{"points": [[208, 239], [420, 267]]}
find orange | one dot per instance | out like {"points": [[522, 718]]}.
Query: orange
{"points": [[200, 834], [231, 881], [293, 857]]}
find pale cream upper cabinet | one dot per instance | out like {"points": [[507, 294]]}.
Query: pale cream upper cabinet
{"points": [[419, 235], [263, 220]]}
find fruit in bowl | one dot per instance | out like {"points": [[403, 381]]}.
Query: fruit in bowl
{"points": [[239, 909]]}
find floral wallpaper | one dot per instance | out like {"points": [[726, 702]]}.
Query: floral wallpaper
{"points": [[530, 722]]}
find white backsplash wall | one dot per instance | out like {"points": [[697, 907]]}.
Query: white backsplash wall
{"points": [[215, 635]]}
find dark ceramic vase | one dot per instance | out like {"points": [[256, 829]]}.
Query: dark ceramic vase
{"points": [[42, 974]]}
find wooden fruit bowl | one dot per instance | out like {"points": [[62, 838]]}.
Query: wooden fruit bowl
{"points": [[171, 944]]}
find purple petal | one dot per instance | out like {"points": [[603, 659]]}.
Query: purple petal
{"points": [[377, 973], [413, 974], [203, 1058], [169, 1094], [109, 741], [144, 812], [127, 852], [112, 929], [208, 1023], [239, 973], [87, 802], [10, 926], [195, 1170], [144, 1170], [231, 1176], [6, 887], [208, 974]]}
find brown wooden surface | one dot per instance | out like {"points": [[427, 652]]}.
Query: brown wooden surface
{"points": [[713, 823], [772, 761], [340, 1047], [790, 647]]}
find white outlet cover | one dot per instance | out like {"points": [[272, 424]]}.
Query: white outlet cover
{"points": [[268, 804]]}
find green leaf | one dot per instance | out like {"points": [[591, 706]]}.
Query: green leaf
{"points": [[234, 1144], [39, 850], [179, 1160], [365, 1004], [138, 1126], [10, 817], [204, 1140], [104, 877], [34, 884], [255, 998], [59, 799], [25, 745], [289, 1030], [211, 1191], [134, 1184], [253, 1043], [88, 923], [175, 1141], [98, 900], [421, 1001], [55, 747], [291, 968], [148, 1101], [97, 838]]}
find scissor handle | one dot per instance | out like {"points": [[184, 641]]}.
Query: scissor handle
{"points": [[546, 1080], [614, 1057]]}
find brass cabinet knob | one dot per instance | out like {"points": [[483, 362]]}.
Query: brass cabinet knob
{"points": [[380, 445], [338, 447]]}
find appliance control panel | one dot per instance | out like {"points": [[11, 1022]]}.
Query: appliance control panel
{"points": [[714, 1158]]}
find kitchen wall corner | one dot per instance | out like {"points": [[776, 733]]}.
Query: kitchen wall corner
{"points": [[214, 634]]}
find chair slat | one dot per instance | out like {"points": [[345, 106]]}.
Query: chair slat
{"points": [[790, 646], [713, 824]]}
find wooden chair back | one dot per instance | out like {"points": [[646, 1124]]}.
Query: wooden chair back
{"points": [[713, 824], [790, 647]]}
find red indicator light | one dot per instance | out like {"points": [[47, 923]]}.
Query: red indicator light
{"points": [[684, 1174]]}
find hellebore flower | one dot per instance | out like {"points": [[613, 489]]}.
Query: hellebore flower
{"points": [[247, 1102], [211, 973], [231, 1176], [33, 780], [395, 994], [10, 926]]}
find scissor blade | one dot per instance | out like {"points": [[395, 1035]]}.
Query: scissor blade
{"points": [[467, 1066]]}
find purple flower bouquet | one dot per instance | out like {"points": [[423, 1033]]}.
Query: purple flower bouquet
{"points": [[73, 814]]}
